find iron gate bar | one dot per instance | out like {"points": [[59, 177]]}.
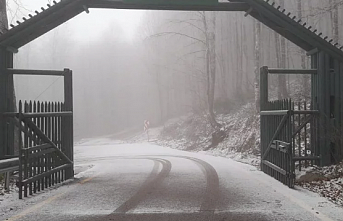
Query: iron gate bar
{"points": [[45, 138], [291, 71], [308, 119], [278, 130], [34, 72]]}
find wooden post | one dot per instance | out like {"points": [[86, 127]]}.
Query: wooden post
{"points": [[324, 107], [263, 106], [20, 151], [3, 86], [263, 87], [68, 106]]}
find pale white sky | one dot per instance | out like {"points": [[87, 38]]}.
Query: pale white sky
{"points": [[84, 26]]}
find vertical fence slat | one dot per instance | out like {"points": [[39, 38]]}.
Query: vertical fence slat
{"points": [[20, 129]]}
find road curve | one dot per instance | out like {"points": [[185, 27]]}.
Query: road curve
{"points": [[145, 182]]}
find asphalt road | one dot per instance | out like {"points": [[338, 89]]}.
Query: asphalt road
{"points": [[147, 182]]}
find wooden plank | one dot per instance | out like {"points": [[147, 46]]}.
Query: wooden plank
{"points": [[306, 158], [50, 114], [3, 98], [46, 139], [291, 71], [263, 87], [305, 112], [9, 169], [20, 128], [274, 167], [47, 173], [30, 140], [46, 158], [49, 135], [9, 163], [38, 147], [275, 112], [275, 135], [225, 6], [39, 159], [34, 72], [68, 106], [42, 152]]}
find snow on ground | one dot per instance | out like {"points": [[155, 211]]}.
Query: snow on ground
{"points": [[193, 133], [327, 181]]}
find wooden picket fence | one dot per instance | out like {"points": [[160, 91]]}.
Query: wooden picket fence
{"points": [[45, 153]]}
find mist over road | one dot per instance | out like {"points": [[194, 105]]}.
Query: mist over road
{"points": [[124, 182]]}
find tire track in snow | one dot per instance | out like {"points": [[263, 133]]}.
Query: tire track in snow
{"points": [[211, 196], [212, 180], [150, 184]]}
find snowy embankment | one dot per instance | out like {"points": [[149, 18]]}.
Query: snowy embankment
{"points": [[194, 133]]}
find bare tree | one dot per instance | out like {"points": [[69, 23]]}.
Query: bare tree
{"points": [[257, 39], [3, 17]]}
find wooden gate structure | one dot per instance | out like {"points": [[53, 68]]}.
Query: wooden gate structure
{"points": [[281, 134], [289, 132], [45, 137]]}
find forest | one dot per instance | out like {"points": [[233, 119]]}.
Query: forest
{"points": [[174, 63]]}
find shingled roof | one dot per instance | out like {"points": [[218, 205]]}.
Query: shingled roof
{"points": [[264, 11]]}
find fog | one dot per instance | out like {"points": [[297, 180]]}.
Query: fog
{"points": [[129, 66]]}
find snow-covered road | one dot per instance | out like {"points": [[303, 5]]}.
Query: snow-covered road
{"points": [[117, 181]]}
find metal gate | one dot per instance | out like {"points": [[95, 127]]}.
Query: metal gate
{"points": [[289, 133], [45, 137]]}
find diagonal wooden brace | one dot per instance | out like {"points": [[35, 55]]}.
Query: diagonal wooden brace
{"points": [[277, 132], [46, 139]]}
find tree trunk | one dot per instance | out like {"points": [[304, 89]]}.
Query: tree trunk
{"points": [[211, 67], [257, 34], [334, 19], [3, 17]]}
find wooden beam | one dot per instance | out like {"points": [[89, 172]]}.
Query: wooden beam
{"points": [[182, 7], [306, 158], [274, 112], [47, 114], [310, 40], [291, 71], [273, 166], [45, 174], [3, 100], [34, 72], [9, 163], [20, 31]]}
